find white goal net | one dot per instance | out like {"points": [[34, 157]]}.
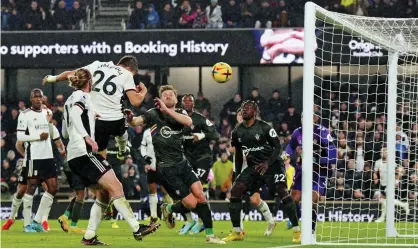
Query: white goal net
{"points": [[362, 82]]}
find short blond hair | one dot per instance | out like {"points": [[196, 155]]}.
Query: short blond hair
{"points": [[166, 88]]}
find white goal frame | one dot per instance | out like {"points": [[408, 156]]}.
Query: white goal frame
{"points": [[312, 12]]}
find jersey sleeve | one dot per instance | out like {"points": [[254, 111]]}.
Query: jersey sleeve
{"points": [[129, 83], [327, 141], [234, 139], [149, 117], [80, 100], [272, 137], [293, 143], [22, 124], [209, 130]]}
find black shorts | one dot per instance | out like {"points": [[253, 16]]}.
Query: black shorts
{"points": [[276, 174], [90, 168], [154, 177], [74, 180], [178, 179], [41, 169], [105, 129], [202, 167], [23, 174]]}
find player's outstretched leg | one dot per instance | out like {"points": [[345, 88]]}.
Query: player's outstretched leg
{"points": [[76, 211], [96, 213], [289, 208], [235, 207], [17, 201], [110, 183], [264, 209], [122, 141], [63, 219]]}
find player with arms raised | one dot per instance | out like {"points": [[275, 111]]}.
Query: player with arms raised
{"points": [[325, 154], [259, 143], [111, 82], [93, 169], [198, 153], [167, 123]]}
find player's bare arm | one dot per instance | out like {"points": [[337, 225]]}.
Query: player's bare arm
{"points": [[136, 97], [57, 78], [19, 148], [133, 121], [61, 147], [181, 118]]}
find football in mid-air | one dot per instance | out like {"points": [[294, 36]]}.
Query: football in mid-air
{"points": [[221, 72]]}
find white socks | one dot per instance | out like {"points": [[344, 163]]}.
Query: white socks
{"points": [[44, 207], [96, 214], [237, 229], [122, 205], [15, 207], [121, 141], [27, 209], [265, 210], [383, 209], [153, 201]]}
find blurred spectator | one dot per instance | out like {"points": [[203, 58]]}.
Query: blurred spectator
{"points": [[12, 122], [131, 185], [3, 149], [6, 170], [34, 17], [57, 115], [45, 101], [339, 192], [202, 103], [5, 193], [265, 16], [137, 18], [292, 118], [167, 17], [214, 15], [153, 19], [249, 11], [77, 14], [4, 18], [187, 15], [12, 159], [231, 14], [261, 102], [225, 129], [281, 15], [13, 183], [283, 132], [222, 180], [21, 106], [230, 108], [275, 107], [128, 163], [61, 17], [201, 19], [15, 21]]}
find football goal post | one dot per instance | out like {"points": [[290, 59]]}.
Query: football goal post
{"points": [[360, 81]]}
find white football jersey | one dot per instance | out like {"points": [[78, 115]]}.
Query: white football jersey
{"points": [[76, 145], [110, 82], [147, 148], [34, 122]]}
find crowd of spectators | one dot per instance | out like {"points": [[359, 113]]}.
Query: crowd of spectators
{"points": [[42, 14], [252, 13], [153, 14], [359, 138]]}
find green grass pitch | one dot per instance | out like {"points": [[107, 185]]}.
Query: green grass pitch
{"points": [[165, 238]]}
